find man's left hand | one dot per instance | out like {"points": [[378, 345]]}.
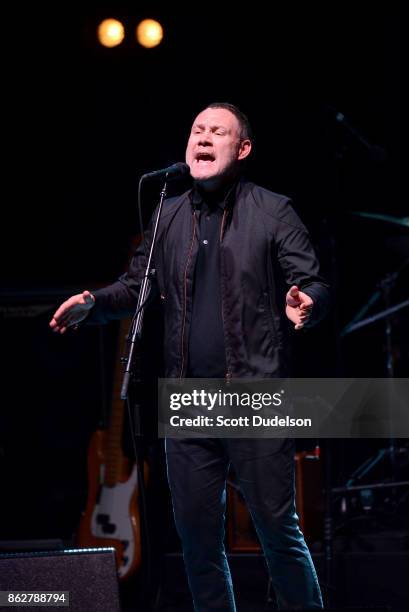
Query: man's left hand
{"points": [[298, 307]]}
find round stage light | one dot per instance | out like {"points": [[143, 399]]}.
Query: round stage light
{"points": [[149, 33], [111, 32]]}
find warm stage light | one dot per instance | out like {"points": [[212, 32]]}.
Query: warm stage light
{"points": [[111, 32], [149, 33]]}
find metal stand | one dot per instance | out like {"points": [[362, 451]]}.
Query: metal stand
{"points": [[391, 453], [137, 321], [383, 290], [328, 526], [131, 363]]}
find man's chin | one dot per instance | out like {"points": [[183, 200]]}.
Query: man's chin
{"points": [[202, 175]]}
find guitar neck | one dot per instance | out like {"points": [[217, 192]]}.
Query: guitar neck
{"points": [[114, 452]]}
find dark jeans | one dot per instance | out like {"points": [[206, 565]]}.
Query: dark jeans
{"points": [[264, 468]]}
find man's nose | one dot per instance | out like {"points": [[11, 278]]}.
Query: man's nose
{"points": [[205, 139]]}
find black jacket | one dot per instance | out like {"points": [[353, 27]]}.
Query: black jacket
{"points": [[264, 249]]}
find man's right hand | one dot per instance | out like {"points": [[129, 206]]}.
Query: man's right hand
{"points": [[72, 311]]}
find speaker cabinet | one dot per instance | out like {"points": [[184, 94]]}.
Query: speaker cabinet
{"points": [[241, 535], [89, 575]]}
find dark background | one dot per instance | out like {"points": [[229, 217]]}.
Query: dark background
{"points": [[82, 123]]}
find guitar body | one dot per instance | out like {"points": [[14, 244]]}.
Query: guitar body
{"points": [[111, 516]]}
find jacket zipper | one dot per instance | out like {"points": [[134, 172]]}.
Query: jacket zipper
{"points": [[185, 296], [228, 375], [222, 224]]}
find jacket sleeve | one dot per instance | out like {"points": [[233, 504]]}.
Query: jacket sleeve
{"points": [[119, 299], [298, 260]]}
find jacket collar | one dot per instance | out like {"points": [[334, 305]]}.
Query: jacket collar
{"points": [[224, 199]]}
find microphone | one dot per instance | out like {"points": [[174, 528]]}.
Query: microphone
{"points": [[376, 152], [174, 171]]}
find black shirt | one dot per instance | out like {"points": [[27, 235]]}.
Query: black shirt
{"points": [[207, 356]]}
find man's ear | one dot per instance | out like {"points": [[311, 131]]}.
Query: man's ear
{"points": [[244, 149]]}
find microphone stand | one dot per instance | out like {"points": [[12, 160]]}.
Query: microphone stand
{"points": [[384, 289], [135, 333], [134, 339], [378, 154]]}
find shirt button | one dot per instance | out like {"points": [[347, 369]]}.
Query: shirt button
{"points": [[205, 242]]}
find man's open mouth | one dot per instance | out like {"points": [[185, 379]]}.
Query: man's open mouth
{"points": [[204, 157]]}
